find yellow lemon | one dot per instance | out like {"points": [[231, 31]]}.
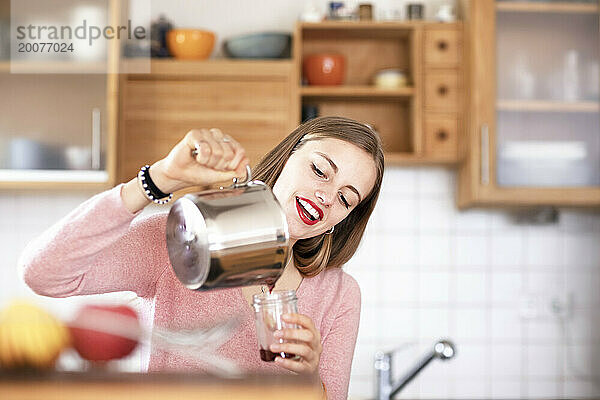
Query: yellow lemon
{"points": [[30, 337]]}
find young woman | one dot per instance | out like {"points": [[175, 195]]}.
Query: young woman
{"points": [[326, 175]]}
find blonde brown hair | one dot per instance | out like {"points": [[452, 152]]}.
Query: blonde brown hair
{"points": [[314, 254]]}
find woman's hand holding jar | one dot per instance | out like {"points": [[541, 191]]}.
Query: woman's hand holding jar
{"points": [[304, 341]]}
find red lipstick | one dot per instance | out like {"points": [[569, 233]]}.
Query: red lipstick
{"points": [[303, 214]]}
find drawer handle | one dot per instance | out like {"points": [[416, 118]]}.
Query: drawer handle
{"points": [[442, 90], [442, 45], [442, 135]]}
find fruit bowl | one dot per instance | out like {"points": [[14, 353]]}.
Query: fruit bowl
{"points": [[190, 44]]}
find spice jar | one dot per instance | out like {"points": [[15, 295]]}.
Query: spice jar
{"points": [[268, 309], [365, 12]]}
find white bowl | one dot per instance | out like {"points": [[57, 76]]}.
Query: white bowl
{"points": [[390, 78]]}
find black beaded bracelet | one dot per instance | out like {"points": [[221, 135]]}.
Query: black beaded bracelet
{"points": [[152, 192]]}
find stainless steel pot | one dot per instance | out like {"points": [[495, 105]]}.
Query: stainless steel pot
{"points": [[235, 236]]}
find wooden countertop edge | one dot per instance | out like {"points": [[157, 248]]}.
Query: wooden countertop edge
{"points": [[100, 385]]}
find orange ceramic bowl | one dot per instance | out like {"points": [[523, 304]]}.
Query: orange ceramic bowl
{"points": [[190, 44], [324, 69]]}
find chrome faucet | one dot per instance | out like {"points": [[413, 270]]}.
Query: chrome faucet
{"points": [[386, 389]]}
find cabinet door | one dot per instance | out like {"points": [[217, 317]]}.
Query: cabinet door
{"points": [[58, 111], [534, 132], [50, 124], [156, 113]]}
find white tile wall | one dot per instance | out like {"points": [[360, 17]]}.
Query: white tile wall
{"points": [[434, 288], [506, 288], [506, 388], [506, 325], [506, 361], [507, 252], [394, 324], [401, 287], [398, 250], [540, 389], [471, 288], [580, 389], [433, 323], [429, 271], [472, 250], [544, 248], [469, 324], [435, 250], [467, 275], [542, 361]]}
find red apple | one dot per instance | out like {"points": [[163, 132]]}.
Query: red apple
{"points": [[102, 333]]}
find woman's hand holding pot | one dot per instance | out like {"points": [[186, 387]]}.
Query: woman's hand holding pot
{"points": [[203, 157]]}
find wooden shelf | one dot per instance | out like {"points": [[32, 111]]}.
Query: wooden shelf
{"points": [[373, 25], [333, 30], [549, 7], [161, 67], [548, 106], [401, 158], [53, 179], [360, 25], [55, 67], [213, 67], [397, 114], [355, 91]]}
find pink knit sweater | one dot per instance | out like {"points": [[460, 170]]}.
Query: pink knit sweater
{"points": [[101, 247]]}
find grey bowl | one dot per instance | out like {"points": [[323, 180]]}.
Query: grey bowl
{"points": [[259, 45]]}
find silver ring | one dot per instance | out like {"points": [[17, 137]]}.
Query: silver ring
{"points": [[226, 140]]}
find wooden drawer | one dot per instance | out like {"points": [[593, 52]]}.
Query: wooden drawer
{"points": [[441, 136], [441, 91], [442, 47]]}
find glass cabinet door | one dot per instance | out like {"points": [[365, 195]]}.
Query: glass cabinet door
{"points": [[56, 109], [52, 122], [547, 89]]}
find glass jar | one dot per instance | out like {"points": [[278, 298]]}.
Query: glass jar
{"points": [[268, 309]]}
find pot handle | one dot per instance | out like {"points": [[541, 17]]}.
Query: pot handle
{"points": [[237, 184]]}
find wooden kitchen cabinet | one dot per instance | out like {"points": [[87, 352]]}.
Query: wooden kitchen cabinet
{"points": [[248, 99], [259, 101], [59, 118], [443, 91], [532, 132], [418, 124]]}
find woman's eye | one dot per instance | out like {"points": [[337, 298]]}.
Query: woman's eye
{"points": [[317, 171], [344, 202]]}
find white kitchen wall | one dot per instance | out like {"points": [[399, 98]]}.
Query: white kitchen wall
{"points": [[232, 17], [429, 271]]}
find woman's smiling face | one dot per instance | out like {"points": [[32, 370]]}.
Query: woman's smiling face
{"points": [[321, 183]]}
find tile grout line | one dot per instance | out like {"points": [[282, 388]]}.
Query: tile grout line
{"points": [[489, 310], [524, 323], [418, 275], [452, 299]]}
